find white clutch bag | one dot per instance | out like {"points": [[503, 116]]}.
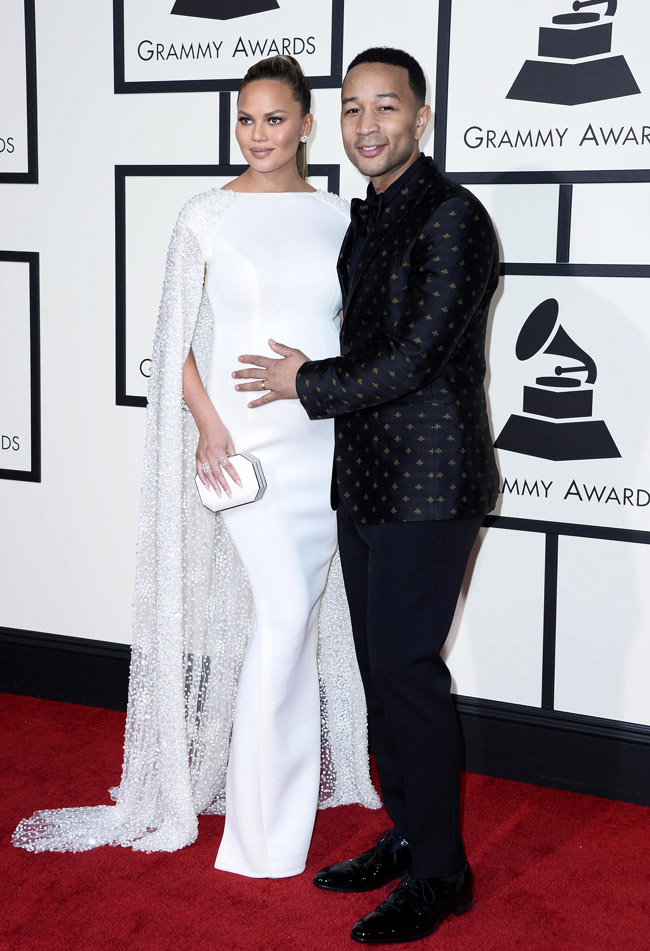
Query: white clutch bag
{"points": [[249, 470]]}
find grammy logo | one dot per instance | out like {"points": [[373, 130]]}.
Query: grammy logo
{"points": [[579, 38], [559, 425], [222, 9]]}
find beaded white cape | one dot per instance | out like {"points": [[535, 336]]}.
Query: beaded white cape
{"points": [[193, 614]]}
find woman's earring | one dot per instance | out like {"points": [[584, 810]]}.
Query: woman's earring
{"points": [[304, 138]]}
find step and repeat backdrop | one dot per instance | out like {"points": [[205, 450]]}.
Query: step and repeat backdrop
{"points": [[541, 108]]}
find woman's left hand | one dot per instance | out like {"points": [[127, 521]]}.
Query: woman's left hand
{"points": [[276, 377]]}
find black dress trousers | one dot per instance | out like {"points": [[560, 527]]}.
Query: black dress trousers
{"points": [[402, 580]]}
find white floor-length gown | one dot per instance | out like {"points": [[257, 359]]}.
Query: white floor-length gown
{"points": [[205, 609], [272, 273]]}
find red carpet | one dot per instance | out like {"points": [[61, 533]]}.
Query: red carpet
{"points": [[554, 870]]}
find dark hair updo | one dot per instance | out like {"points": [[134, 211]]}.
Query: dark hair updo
{"points": [[285, 69]]}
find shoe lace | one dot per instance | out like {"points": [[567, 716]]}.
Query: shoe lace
{"points": [[411, 893], [390, 841]]}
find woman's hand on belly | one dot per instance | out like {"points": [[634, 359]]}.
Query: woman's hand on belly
{"points": [[214, 446]]}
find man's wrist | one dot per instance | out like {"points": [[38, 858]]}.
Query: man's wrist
{"points": [[302, 369]]}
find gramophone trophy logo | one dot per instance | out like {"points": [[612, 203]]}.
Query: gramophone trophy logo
{"points": [[222, 9], [557, 423], [575, 62]]}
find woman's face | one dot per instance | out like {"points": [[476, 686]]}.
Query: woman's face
{"points": [[269, 125]]}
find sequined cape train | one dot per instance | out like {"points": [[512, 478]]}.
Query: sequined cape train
{"points": [[193, 615]]}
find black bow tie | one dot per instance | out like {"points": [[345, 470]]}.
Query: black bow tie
{"points": [[364, 214]]}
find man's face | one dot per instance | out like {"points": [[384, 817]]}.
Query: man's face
{"points": [[381, 121]]}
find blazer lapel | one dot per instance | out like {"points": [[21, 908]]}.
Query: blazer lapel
{"points": [[343, 263], [383, 230]]}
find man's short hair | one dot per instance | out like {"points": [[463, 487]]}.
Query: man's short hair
{"points": [[393, 57]]}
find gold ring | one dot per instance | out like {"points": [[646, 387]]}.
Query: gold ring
{"points": [[262, 384]]}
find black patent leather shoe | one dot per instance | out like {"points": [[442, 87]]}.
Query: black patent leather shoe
{"points": [[387, 860], [414, 909]]}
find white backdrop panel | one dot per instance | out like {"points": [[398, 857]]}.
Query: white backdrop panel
{"points": [[609, 223], [489, 132], [607, 317], [494, 649], [603, 619], [15, 367], [161, 46], [13, 100], [512, 208]]}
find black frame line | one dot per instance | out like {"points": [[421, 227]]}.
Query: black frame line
{"points": [[224, 128], [575, 270], [564, 207], [30, 177], [442, 83], [605, 533], [549, 635], [121, 85], [122, 172], [31, 258], [521, 177]]}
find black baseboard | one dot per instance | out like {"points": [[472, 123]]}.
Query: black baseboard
{"points": [[548, 748], [561, 750], [56, 667]]}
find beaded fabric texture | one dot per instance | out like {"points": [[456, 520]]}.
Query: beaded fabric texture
{"points": [[193, 614]]}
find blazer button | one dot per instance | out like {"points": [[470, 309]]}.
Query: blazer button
{"points": [[345, 349]]}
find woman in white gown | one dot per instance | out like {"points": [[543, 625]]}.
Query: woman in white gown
{"points": [[224, 682], [271, 273]]}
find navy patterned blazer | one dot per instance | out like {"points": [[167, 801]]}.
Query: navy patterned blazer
{"points": [[413, 440]]}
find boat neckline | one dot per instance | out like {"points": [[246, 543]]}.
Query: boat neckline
{"points": [[255, 194]]}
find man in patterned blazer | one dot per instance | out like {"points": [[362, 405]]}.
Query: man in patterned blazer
{"points": [[414, 474]]}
